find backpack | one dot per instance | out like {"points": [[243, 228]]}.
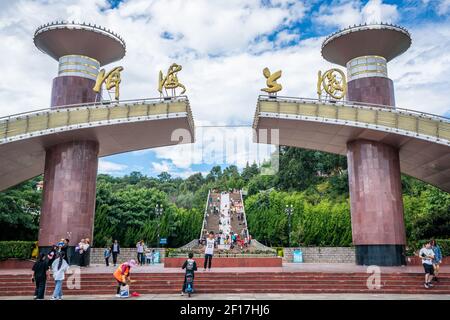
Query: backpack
{"points": [[190, 265]]}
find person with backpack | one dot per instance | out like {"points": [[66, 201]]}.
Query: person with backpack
{"points": [[59, 268], [39, 278], [209, 251], [191, 266], [122, 275]]}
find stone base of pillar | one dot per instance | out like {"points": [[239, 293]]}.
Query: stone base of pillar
{"points": [[74, 256], [380, 255]]}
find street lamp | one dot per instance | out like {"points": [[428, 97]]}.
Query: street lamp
{"points": [[159, 210], [289, 210]]}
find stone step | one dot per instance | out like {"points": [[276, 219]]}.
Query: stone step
{"points": [[111, 291]]}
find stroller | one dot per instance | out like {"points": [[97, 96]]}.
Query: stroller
{"points": [[189, 288]]}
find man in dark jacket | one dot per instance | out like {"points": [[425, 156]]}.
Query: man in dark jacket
{"points": [[40, 268], [115, 249], [64, 249]]}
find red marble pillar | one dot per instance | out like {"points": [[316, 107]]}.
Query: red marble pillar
{"points": [[375, 186], [72, 90], [68, 203], [377, 90], [70, 174]]}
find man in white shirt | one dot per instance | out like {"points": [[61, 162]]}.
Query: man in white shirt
{"points": [[209, 250], [427, 255]]}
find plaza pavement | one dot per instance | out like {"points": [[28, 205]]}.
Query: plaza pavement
{"points": [[256, 296]]}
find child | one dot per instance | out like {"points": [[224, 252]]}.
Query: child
{"points": [[152, 257], [191, 266], [107, 254]]}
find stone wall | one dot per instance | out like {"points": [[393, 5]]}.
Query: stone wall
{"points": [[126, 254], [322, 254]]}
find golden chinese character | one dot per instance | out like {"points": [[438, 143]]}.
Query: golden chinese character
{"points": [[272, 85], [170, 81], [334, 86], [111, 80]]}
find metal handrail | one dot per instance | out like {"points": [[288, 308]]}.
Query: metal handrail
{"points": [[351, 104], [204, 215], [97, 103]]}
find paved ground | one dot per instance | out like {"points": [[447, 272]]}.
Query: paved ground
{"points": [[257, 296], [287, 267]]}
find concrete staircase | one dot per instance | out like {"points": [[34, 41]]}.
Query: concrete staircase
{"points": [[211, 220], [237, 282]]}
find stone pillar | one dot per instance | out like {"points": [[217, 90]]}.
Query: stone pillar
{"points": [[70, 173], [374, 174]]}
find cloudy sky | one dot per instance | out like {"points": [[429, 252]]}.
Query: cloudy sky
{"points": [[223, 47]]}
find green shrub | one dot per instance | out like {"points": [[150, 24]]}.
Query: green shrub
{"points": [[414, 246], [16, 249]]}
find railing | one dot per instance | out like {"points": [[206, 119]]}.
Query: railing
{"points": [[351, 104], [373, 116], [245, 216], [204, 216], [74, 115]]}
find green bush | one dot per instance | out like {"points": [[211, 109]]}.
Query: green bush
{"points": [[414, 246], [16, 249]]}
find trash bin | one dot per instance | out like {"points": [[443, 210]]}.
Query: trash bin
{"points": [[298, 256], [156, 257]]}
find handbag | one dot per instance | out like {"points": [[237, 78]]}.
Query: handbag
{"points": [[125, 291]]}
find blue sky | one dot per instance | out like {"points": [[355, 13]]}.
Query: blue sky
{"points": [[223, 46]]}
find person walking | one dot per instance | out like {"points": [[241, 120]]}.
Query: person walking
{"points": [[39, 278], [115, 251], [122, 275], [427, 255], [209, 251], [59, 268], [437, 258], [140, 252], [107, 255]]}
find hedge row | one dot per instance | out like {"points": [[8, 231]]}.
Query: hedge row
{"points": [[16, 249], [414, 246]]}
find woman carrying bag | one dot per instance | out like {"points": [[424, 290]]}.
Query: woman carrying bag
{"points": [[59, 268]]}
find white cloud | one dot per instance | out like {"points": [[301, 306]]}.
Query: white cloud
{"points": [[443, 7], [352, 12], [163, 166], [229, 146], [109, 167], [223, 48]]}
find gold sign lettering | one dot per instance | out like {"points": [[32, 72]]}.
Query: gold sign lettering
{"points": [[272, 85], [111, 80], [333, 82], [170, 81]]}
